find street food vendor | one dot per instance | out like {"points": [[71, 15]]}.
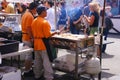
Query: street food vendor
{"points": [[26, 21], [41, 29]]}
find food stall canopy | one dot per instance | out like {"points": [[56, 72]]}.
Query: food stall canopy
{"points": [[20, 1]]}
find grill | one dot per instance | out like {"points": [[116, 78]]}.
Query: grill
{"points": [[71, 41]]}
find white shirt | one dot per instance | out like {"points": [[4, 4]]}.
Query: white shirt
{"points": [[51, 18]]}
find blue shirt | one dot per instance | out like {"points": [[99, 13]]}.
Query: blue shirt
{"points": [[74, 15], [62, 17]]}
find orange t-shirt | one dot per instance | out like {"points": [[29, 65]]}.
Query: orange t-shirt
{"points": [[26, 22], [40, 29]]}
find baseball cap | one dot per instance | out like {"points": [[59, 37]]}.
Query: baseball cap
{"points": [[40, 9], [33, 5]]}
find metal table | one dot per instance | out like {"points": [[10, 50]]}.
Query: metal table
{"points": [[75, 43], [22, 50]]}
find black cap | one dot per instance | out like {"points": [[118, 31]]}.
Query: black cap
{"points": [[33, 5], [40, 9]]}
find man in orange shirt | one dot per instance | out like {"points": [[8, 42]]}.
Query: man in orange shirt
{"points": [[41, 29], [26, 21]]}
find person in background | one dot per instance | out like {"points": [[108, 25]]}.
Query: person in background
{"points": [[73, 17], [108, 11], [7, 7], [108, 24], [62, 16], [52, 51], [50, 14], [21, 8], [41, 29], [93, 19], [86, 10], [26, 21], [115, 9]]}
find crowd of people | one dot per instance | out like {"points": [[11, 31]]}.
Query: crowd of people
{"points": [[38, 24]]}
